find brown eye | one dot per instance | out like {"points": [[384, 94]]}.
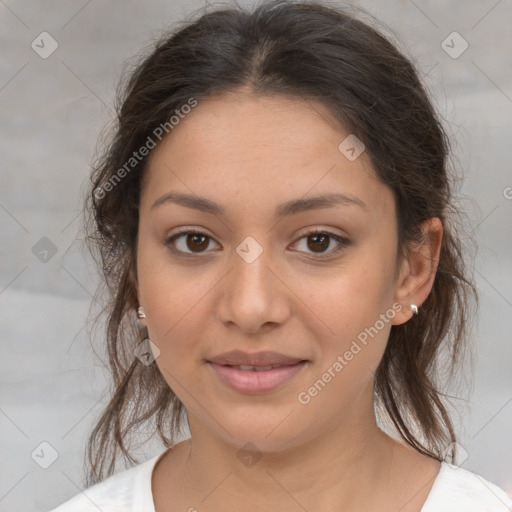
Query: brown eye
{"points": [[197, 242], [318, 242], [189, 242]]}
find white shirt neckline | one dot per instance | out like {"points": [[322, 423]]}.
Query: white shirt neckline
{"points": [[451, 482]]}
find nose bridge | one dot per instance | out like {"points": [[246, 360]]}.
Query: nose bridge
{"points": [[251, 297]]}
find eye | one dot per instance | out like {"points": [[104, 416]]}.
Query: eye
{"points": [[319, 241], [196, 241], [190, 242]]}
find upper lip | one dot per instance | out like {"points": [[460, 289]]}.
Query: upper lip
{"points": [[240, 358]]}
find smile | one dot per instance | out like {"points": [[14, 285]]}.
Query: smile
{"points": [[256, 379]]}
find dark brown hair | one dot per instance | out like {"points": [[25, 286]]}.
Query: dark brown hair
{"points": [[315, 52]]}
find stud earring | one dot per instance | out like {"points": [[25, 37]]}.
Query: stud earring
{"points": [[414, 309], [140, 312]]}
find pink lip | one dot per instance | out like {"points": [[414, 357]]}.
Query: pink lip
{"points": [[263, 358], [256, 382]]}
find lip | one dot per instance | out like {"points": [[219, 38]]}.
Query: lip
{"points": [[263, 378], [240, 358]]}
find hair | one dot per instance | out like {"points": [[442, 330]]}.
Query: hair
{"points": [[304, 50]]}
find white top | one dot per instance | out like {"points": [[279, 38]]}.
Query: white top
{"points": [[454, 490]]}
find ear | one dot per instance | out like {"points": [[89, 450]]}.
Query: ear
{"points": [[136, 302], [418, 270], [142, 320]]}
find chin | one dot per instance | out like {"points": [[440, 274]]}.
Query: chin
{"points": [[264, 432]]}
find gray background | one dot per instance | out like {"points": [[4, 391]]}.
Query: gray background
{"points": [[53, 109]]}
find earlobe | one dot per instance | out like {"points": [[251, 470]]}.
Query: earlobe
{"points": [[418, 270], [136, 302], [141, 315]]}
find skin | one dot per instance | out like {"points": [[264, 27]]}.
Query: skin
{"points": [[249, 154]]}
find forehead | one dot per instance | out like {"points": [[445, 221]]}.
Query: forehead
{"points": [[255, 150]]}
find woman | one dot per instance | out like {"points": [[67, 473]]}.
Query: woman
{"points": [[272, 224]]}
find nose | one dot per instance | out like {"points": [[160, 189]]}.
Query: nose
{"points": [[253, 295]]}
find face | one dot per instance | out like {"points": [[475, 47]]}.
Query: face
{"points": [[314, 282]]}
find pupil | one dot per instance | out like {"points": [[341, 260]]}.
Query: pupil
{"points": [[199, 245], [324, 244]]}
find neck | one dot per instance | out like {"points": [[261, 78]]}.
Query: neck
{"points": [[345, 463]]}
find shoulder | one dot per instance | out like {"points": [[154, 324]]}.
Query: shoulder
{"points": [[458, 490], [128, 490]]}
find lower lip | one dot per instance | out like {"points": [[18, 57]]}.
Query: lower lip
{"points": [[254, 382]]}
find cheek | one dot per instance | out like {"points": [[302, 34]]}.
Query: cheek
{"points": [[351, 298], [174, 300], [175, 310], [355, 305], [360, 317], [176, 324]]}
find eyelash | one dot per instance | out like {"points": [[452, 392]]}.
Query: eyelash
{"points": [[186, 231]]}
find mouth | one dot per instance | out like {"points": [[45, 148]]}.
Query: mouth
{"points": [[256, 368], [263, 361], [257, 379]]}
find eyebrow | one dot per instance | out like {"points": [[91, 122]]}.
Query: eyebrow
{"points": [[327, 200]]}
